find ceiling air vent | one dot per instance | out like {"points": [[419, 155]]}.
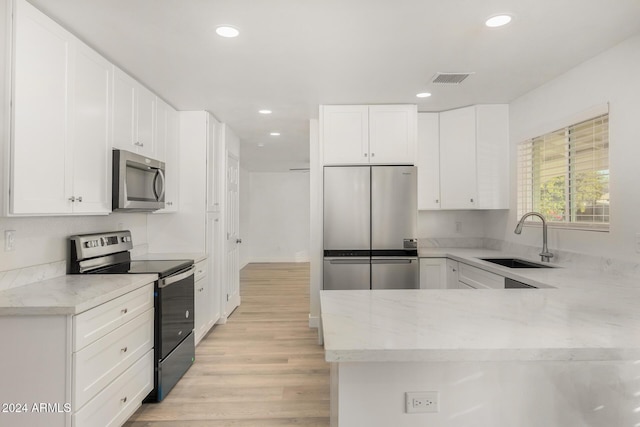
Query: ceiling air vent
{"points": [[450, 78]]}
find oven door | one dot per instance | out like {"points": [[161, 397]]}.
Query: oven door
{"points": [[174, 310], [138, 182]]}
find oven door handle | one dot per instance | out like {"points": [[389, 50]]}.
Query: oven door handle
{"points": [[163, 283]]}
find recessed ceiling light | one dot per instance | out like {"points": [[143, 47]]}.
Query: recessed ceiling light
{"points": [[264, 111], [261, 144], [423, 95], [227, 31], [498, 20], [275, 134]]}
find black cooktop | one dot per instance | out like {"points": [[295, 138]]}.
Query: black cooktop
{"points": [[163, 268]]}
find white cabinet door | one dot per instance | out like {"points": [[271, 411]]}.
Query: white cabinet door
{"points": [[215, 249], [433, 273], [161, 129], [215, 170], [392, 134], [428, 161], [458, 184], [452, 274], [90, 132], [146, 110], [167, 150], [345, 134], [202, 307], [41, 182], [134, 108], [492, 153], [124, 110]]}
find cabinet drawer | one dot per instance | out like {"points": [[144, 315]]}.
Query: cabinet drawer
{"points": [[201, 270], [120, 399], [478, 278], [96, 365], [99, 321]]}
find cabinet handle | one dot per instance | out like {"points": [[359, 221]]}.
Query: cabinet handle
{"points": [[373, 154], [365, 154], [471, 200], [169, 203], [437, 201], [139, 144], [454, 270], [124, 399], [124, 311], [80, 199], [124, 350], [72, 199]]}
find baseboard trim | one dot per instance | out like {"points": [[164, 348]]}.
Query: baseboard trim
{"points": [[274, 259], [314, 322]]}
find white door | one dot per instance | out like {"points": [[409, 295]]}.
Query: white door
{"points": [[232, 220]]}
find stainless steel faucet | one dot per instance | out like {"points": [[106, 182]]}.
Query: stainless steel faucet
{"points": [[545, 255]]}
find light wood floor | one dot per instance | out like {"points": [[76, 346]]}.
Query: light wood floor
{"points": [[263, 368]]}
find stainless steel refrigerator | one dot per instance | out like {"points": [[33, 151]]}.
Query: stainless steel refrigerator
{"points": [[370, 216]]}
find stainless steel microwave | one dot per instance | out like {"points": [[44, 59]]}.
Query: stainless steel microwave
{"points": [[138, 182]]}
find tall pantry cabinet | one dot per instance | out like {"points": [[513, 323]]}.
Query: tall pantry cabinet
{"points": [[198, 225]]}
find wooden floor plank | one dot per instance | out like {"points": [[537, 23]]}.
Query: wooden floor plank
{"points": [[262, 368]]}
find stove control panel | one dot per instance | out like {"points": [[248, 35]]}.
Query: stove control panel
{"points": [[99, 244]]}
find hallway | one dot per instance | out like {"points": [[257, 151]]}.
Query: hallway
{"points": [[263, 368]]}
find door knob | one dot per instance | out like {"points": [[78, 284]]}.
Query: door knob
{"points": [[238, 240]]}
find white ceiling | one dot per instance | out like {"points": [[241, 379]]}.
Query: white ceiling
{"points": [[292, 55]]}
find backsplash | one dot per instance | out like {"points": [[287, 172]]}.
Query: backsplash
{"points": [[604, 264], [41, 243]]}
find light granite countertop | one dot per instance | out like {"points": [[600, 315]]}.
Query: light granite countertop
{"points": [[580, 315], [71, 294]]}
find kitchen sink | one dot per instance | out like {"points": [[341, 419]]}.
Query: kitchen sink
{"points": [[516, 263]]}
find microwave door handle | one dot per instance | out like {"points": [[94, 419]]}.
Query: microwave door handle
{"points": [[160, 174]]}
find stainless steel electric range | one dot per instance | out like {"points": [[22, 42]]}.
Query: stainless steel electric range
{"points": [[109, 253]]}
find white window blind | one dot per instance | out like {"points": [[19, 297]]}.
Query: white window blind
{"points": [[564, 174]]}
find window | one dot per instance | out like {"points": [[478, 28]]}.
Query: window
{"points": [[564, 175]]}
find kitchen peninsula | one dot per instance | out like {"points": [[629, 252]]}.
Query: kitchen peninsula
{"points": [[560, 356]]}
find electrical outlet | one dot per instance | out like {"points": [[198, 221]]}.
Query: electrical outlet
{"points": [[9, 240], [422, 401], [458, 226]]}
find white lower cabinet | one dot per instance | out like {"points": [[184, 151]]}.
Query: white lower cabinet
{"points": [[120, 399], [97, 364], [452, 274], [433, 273], [202, 301], [477, 278]]}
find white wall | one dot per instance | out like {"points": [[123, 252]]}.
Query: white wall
{"points": [[44, 240], [443, 224], [609, 77], [245, 216], [279, 217]]}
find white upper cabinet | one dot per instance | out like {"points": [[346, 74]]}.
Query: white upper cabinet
{"points": [[215, 164], [133, 115], [458, 159], [345, 133], [468, 168], [428, 161], [91, 132], [392, 134], [167, 137], [60, 147], [363, 134]]}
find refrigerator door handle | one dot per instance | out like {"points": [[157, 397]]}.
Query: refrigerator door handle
{"points": [[392, 261], [348, 261]]}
